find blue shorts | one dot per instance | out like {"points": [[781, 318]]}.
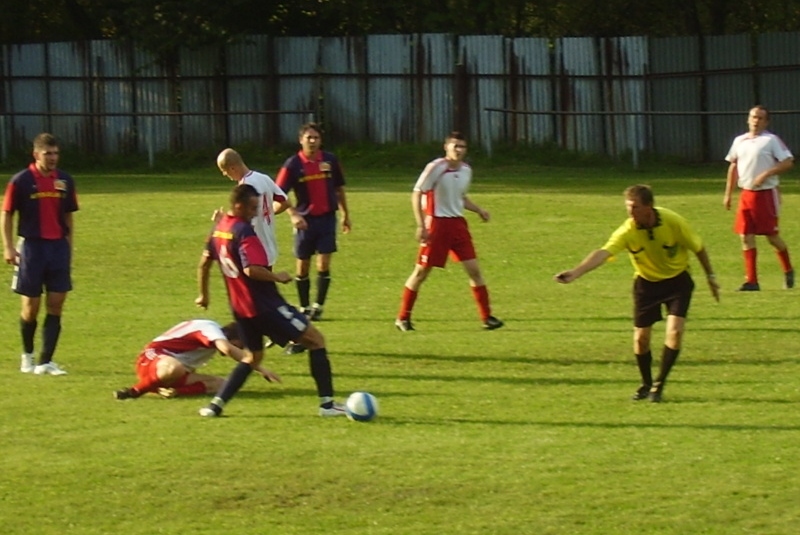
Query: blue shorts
{"points": [[281, 325], [43, 264], [319, 237]]}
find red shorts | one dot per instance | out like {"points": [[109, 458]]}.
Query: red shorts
{"points": [[446, 235], [147, 365], [758, 212]]}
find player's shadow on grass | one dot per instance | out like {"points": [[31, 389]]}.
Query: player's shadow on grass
{"points": [[566, 361], [466, 359], [541, 381]]}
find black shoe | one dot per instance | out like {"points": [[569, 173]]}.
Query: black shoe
{"points": [[655, 393], [403, 325], [492, 323], [788, 280], [751, 287], [126, 393], [643, 392]]}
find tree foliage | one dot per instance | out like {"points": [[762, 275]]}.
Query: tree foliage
{"points": [[163, 25]]}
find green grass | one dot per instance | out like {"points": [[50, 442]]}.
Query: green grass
{"points": [[525, 430]]}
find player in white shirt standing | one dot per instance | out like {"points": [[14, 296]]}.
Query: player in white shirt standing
{"points": [[756, 159], [438, 202], [167, 364]]}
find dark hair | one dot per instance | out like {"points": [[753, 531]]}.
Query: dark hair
{"points": [[455, 134], [44, 140], [641, 192], [309, 126], [242, 193], [231, 331], [761, 107]]}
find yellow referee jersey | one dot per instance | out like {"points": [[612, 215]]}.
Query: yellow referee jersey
{"points": [[658, 253]]}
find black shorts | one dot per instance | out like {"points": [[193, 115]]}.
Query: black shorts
{"points": [[319, 237], [675, 294], [283, 324]]}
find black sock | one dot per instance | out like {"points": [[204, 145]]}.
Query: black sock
{"points": [[50, 334], [644, 361], [303, 289], [668, 358], [321, 371], [323, 283], [234, 382], [28, 330]]}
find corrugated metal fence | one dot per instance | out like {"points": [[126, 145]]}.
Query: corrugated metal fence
{"points": [[682, 96]]}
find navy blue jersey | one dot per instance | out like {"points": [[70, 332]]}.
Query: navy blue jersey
{"points": [[314, 182], [42, 202], [234, 244]]}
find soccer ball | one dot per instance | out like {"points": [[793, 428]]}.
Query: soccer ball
{"points": [[361, 407]]}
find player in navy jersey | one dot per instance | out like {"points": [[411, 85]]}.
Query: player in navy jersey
{"points": [[317, 180], [257, 306], [44, 198]]}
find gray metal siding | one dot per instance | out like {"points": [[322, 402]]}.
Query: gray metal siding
{"points": [[672, 88], [676, 96]]}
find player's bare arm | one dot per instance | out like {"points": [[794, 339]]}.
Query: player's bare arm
{"points": [[472, 207], [419, 216], [262, 273], [730, 182], [341, 199], [203, 271], [777, 169], [594, 260], [10, 254], [702, 257], [227, 348], [298, 221]]}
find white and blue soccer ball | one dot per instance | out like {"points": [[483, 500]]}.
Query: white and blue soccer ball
{"points": [[361, 407]]}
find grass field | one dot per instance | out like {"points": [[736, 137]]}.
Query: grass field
{"points": [[524, 430]]}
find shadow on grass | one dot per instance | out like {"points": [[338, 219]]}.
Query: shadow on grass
{"points": [[592, 425], [565, 361]]}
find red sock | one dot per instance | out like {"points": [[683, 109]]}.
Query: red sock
{"points": [[147, 385], [786, 264], [407, 303], [481, 295], [194, 389], [750, 269]]}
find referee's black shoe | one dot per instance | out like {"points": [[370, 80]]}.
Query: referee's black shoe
{"points": [[643, 392]]}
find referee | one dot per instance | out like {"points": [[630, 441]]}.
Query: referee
{"points": [[658, 242]]}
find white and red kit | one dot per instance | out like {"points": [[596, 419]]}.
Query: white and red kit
{"points": [[443, 190], [263, 223], [191, 342], [755, 154]]}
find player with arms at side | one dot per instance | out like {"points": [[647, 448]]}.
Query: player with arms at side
{"points": [[438, 202], [317, 180], [256, 304], [658, 241], [756, 159], [168, 364], [45, 199]]}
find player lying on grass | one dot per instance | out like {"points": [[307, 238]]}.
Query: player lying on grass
{"points": [[167, 365]]}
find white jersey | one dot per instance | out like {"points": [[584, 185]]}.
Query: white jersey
{"points": [[191, 342], [755, 154], [262, 223], [444, 188]]}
